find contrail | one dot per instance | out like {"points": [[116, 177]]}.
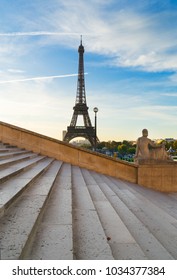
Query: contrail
{"points": [[38, 78], [37, 33]]}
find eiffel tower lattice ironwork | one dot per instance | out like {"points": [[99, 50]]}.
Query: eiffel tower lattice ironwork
{"points": [[87, 130]]}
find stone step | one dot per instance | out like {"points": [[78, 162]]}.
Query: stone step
{"points": [[90, 241], [10, 190], [16, 158], [9, 150], [19, 224], [10, 153], [54, 237], [7, 145], [122, 243], [157, 221], [7, 172], [166, 202], [173, 195], [149, 244]]}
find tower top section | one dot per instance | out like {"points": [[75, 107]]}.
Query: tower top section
{"points": [[81, 47]]}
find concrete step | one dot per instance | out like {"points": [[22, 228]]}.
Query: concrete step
{"points": [[157, 221], [54, 237], [16, 158], [7, 151], [6, 145], [9, 154], [10, 190], [149, 244], [19, 224], [90, 241], [121, 241], [7, 172], [166, 202], [173, 195]]}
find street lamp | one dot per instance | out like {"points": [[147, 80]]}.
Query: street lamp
{"points": [[95, 110]]}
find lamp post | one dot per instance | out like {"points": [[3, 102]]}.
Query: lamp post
{"points": [[95, 110]]}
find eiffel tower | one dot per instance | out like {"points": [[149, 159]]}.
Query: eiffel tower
{"points": [[87, 131]]}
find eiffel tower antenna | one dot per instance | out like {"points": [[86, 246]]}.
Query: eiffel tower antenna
{"points": [[87, 130]]}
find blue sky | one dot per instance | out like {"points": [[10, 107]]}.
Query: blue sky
{"points": [[130, 60]]}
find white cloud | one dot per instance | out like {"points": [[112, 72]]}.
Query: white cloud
{"points": [[130, 38], [170, 94], [15, 71], [36, 33]]}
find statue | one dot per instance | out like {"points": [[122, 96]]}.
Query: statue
{"points": [[147, 151]]}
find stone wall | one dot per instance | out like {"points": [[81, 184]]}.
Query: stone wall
{"points": [[161, 177], [68, 153]]}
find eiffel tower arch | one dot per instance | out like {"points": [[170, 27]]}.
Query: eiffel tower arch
{"points": [[87, 130]]}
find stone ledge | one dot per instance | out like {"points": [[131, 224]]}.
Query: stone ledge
{"points": [[67, 152], [161, 177], [155, 161]]}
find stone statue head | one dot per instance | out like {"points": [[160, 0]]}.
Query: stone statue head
{"points": [[145, 132]]}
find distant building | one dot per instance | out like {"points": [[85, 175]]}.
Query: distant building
{"points": [[63, 134], [169, 139], [80, 142]]}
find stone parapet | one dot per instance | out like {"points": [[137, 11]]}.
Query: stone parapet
{"points": [[68, 153], [158, 175], [161, 176]]}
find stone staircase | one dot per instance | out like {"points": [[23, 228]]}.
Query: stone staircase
{"points": [[53, 210]]}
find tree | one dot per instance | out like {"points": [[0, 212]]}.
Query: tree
{"points": [[175, 145], [131, 150], [122, 149]]}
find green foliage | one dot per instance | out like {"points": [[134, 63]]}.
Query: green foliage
{"points": [[174, 146], [126, 147], [131, 150], [122, 149]]}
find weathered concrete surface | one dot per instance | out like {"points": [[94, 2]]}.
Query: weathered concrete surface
{"points": [[122, 243], [13, 169], [54, 237], [119, 194], [20, 221], [89, 237]]}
